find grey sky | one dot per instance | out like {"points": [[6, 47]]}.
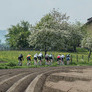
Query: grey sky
{"points": [[13, 11]]}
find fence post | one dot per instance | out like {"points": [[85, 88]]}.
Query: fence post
{"points": [[77, 57]]}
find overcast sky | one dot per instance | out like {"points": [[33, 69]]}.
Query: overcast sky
{"points": [[13, 11]]}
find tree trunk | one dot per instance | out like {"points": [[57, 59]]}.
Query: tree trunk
{"points": [[89, 53], [74, 47], [45, 50]]}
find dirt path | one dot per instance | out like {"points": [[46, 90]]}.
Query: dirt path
{"points": [[47, 79]]}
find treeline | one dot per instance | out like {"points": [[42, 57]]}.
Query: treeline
{"points": [[52, 32]]}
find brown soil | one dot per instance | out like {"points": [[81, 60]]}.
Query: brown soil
{"points": [[53, 79], [72, 81]]}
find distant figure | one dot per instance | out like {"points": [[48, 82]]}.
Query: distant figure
{"points": [[51, 59], [59, 59], [62, 59], [29, 57], [40, 56], [35, 59], [47, 59], [20, 58], [68, 59]]}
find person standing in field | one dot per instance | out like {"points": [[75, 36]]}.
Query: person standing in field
{"points": [[35, 59], [29, 58], [20, 59]]}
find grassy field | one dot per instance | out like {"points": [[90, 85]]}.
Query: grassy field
{"points": [[10, 58]]}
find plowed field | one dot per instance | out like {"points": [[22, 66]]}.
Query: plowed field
{"points": [[47, 79]]}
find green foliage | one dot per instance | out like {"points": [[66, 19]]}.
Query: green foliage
{"points": [[17, 35], [54, 32], [74, 37], [50, 32], [53, 20], [87, 42], [81, 50], [11, 64], [47, 39]]}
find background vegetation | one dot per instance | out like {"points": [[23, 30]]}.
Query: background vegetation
{"points": [[52, 34]]}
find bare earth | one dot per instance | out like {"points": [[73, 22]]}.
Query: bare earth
{"points": [[47, 79]]}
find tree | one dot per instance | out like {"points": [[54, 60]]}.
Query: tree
{"points": [[53, 20], [87, 40], [75, 36], [18, 35], [50, 31], [47, 39], [53, 31], [87, 43]]}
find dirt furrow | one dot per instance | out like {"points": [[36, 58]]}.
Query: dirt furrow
{"points": [[23, 83], [5, 84], [37, 84], [56, 78], [19, 83]]}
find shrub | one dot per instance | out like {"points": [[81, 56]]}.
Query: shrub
{"points": [[2, 67], [11, 64]]}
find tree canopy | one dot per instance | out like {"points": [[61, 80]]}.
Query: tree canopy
{"points": [[53, 20], [52, 32], [18, 34]]}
